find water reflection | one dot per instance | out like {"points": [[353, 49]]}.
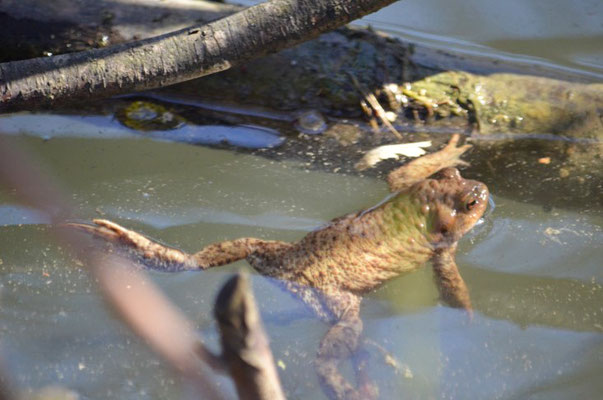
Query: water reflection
{"points": [[49, 126], [17, 215]]}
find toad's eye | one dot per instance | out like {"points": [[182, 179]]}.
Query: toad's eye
{"points": [[470, 204]]}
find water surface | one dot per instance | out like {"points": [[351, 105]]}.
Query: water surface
{"points": [[534, 276]]}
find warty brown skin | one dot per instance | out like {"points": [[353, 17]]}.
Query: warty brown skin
{"points": [[331, 267]]}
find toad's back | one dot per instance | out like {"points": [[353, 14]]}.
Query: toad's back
{"points": [[360, 251]]}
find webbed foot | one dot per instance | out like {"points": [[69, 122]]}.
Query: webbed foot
{"points": [[150, 253], [111, 232], [450, 155], [389, 359]]}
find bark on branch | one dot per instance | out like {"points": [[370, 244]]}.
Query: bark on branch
{"points": [[174, 57]]}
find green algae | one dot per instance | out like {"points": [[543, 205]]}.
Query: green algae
{"points": [[146, 116], [513, 103]]}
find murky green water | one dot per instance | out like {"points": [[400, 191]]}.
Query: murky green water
{"points": [[534, 274]]}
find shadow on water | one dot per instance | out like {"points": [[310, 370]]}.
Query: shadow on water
{"points": [[547, 170]]}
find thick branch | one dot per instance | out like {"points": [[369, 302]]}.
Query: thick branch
{"points": [[176, 56]]}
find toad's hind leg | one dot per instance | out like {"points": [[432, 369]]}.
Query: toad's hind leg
{"points": [[340, 343], [164, 258], [422, 168]]}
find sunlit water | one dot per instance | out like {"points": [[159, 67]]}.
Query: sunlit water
{"points": [[534, 277]]}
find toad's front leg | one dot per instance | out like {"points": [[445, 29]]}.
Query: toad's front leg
{"points": [[340, 343], [452, 287], [164, 258]]}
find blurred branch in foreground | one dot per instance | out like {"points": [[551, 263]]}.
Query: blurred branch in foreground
{"points": [[143, 307], [147, 311]]}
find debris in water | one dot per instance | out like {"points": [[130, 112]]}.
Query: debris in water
{"points": [[544, 160], [381, 153]]}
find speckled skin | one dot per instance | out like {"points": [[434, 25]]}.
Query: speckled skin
{"points": [[331, 267]]}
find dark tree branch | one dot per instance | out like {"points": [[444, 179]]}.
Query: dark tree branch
{"points": [[176, 56]]}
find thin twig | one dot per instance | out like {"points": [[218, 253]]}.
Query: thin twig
{"points": [[374, 103]]}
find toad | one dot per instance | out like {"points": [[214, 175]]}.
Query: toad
{"points": [[431, 207]]}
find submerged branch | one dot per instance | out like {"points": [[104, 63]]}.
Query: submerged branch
{"points": [[244, 342]]}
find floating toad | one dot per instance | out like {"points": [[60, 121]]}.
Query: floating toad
{"points": [[332, 267]]}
